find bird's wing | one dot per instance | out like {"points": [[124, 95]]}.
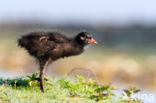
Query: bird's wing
{"points": [[56, 37], [50, 41]]}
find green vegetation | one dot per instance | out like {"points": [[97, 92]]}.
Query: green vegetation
{"points": [[80, 90]]}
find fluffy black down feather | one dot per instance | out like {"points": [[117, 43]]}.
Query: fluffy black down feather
{"points": [[53, 45]]}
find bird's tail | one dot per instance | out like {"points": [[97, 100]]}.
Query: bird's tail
{"points": [[22, 42]]}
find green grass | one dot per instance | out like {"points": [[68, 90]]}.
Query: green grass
{"points": [[65, 90]]}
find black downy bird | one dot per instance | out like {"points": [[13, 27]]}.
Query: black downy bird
{"points": [[47, 47]]}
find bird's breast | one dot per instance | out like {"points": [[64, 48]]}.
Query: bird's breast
{"points": [[66, 50]]}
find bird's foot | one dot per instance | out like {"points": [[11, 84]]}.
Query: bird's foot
{"points": [[45, 78]]}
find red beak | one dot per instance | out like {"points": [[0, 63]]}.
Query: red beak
{"points": [[92, 41]]}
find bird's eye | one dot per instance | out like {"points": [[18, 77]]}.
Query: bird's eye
{"points": [[89, 37], [82, 38]]}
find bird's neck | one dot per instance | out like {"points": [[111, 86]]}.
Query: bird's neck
{"points": [[76, 48], [80, 44]]}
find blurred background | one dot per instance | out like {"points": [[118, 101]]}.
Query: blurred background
{"points": [[125, 31]]}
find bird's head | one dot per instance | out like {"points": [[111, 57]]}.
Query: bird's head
{"points": [[84, 38]]}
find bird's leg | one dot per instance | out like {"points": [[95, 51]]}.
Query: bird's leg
{"points": [[45, 69], [41, 76]]}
